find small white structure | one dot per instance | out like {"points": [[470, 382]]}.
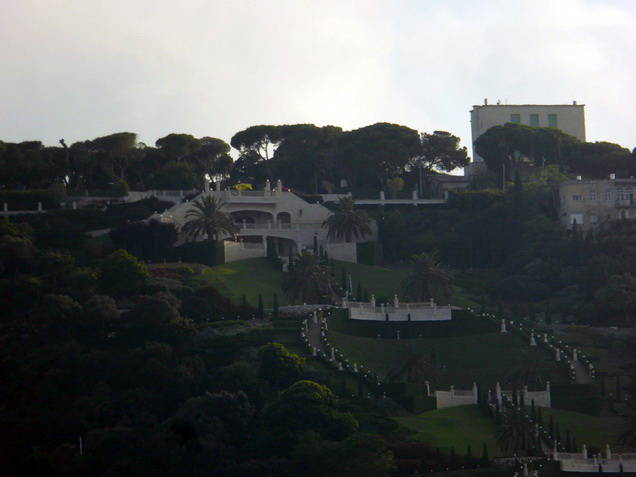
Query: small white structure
{"points": [[455, 397], [582, 462], [429, 311], [540, 398]]}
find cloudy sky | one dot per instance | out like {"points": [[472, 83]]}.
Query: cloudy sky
{"points": [[79, 69]]}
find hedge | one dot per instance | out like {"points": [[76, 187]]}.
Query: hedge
{"points": [[28, 199], [583, 398], [369, 253], [206, 252]]}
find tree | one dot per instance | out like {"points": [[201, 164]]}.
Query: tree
{"points": [[304, 406], [212, 158], [279, 366], [516, 432], [256, 146], [411, 365], [347, 221], [361, 454], [618, 296], [428, 279], [178, 146], [207, 218], [440, 151], [121, 273], [119, 150], [309, 281], [372, 154]]}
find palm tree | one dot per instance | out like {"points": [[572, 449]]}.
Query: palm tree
{"points": [[309, 281], [207, 218], [411, 365], [516, 432], [347, 221], [428, 279]]}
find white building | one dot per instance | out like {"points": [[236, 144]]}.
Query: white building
{"points": [[271, 216], [569, 118]]}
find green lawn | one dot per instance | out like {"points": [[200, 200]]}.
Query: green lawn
{"points": [[484, 357], [249, 278], [593, 431], [456, 427]]}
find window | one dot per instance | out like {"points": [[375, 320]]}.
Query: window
{"points": [[608, 195], [552, 120], [576, 219], [622, 214], [619, 194], [629, 194], [515, 118], [576, 198], [593, 195], [594, 219], [534, 120]]}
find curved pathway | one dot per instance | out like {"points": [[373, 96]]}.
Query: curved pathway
{"points": [[313, 335]]}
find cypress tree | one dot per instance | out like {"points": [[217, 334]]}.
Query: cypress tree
{"points": [[514, 395], [366, 295], [316, 245], [452, 458], [469, 453], [500, 312], [558, 434], [533, 412], [551, 428], [515, 309], [568, 441], [522, 400], [275, 307], [618, 387], [359, 292], [244, 302], [343, 280], [548, 314], [484, 456], [602, 378], [540, 418], [261, 308], [483, 310], [574, 444], [531, 312]]}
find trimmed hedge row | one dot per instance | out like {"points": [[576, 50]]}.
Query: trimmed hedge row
{"points": [[28, 199], [583, 398]]}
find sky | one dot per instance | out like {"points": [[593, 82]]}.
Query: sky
{"points": [[81, 69]]}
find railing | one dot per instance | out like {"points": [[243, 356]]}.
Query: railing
{"points": [[278, 226]]}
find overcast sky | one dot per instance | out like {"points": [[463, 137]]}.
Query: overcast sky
{"points": [[80, 69]]}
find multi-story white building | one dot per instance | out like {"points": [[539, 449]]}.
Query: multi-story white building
{"points": [[591, 202], [569, 118], [273, 217]]}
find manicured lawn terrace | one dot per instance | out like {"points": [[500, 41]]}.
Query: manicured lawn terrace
{"points": [[479, 355], [456, 427], [247, 277], [464, 425], [593, 431]]}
